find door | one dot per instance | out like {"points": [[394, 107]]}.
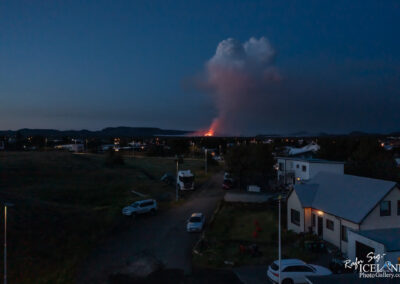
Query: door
{"points": [[320, 226], [362, 251]]}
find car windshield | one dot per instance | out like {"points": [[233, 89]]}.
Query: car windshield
{"points": [[135, 205], [274, 266], [195, 219], [186, 179]]}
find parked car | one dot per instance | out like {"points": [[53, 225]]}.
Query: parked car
{"points": [[294, 271], [337, 265], [227, 184], [140, 207], [196, 222]]}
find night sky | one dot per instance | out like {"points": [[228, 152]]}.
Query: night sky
{"points": [[72, 65]]}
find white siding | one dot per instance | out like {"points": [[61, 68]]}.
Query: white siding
{"points": [[375, 221], [334, 237], [294, 203], [353, 237]]}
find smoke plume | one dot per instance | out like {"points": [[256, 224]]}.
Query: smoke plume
{"points": [[237, 76]]}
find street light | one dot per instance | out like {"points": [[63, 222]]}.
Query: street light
{"points": [[6, 204], [205, 160], [279, 245]]}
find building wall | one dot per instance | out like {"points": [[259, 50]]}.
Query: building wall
{"points": [[353, 237], [296, 167], [315, 168], [334, 237], [350, 226], [375, 221], [294, 203]]}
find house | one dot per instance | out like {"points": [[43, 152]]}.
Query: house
{"points": [[384, 242], [71, 147], [291, 170], [331, 205], [311, 148]]}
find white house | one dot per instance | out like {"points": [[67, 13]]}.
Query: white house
{"points": [[291, 170], [331, 205], [384, 242]]}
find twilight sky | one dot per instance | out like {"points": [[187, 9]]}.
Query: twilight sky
{"points": [[71, 65]]}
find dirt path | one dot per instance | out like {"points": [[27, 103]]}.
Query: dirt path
{"points": [[162, 237]]}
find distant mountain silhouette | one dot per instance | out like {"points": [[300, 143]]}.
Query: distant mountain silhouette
{"points": [[121, 131]]}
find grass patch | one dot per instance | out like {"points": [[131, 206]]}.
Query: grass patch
{"points": [[236, 225], [65, 203]]}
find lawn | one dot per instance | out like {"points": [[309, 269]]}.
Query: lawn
{"points": [[235, 225], [65, 203]]}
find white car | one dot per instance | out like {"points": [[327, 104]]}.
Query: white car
{"points": [[294, 271], [196, 222], [140, 207]]}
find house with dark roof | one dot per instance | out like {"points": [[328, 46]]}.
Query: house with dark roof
{"points": [[292, 170], [330, 205]]}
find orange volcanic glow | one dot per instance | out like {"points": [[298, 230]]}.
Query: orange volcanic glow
{"points": [[209, 133]]}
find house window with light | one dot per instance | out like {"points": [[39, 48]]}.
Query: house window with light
{"points": [[385, 208]]}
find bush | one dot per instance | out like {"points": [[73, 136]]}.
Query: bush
{"points": [[114, 159]]}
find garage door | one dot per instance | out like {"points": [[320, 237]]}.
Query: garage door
{"points": [[362, 250]]}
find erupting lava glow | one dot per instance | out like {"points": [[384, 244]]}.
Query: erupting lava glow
{"points": [[209, 133]]}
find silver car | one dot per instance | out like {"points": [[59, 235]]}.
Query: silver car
{"points": [[196, 222]]}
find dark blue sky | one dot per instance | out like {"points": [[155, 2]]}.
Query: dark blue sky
{"points": [[72, 65]]}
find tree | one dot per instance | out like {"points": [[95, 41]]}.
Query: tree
{"points": [[250, 163]]}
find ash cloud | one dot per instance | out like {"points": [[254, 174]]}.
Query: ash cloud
{"points": [[238, 76]]}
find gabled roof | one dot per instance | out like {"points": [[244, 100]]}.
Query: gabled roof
{"points": [[390, 238], [346, 196], [310, 160]]}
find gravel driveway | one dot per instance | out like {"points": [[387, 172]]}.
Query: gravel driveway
{"points": [[153, 240]]}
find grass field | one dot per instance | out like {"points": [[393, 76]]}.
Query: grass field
{"points": [[235, 224], [65, 203]]}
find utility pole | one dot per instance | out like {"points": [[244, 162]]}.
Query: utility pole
{"points": [[5, 239], [205, 160], [177, 177], [279, 236]]}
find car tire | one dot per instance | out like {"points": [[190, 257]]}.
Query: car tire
{"points": [[287, 281]]}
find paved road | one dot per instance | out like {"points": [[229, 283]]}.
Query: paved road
{"points": [[163, 236]]}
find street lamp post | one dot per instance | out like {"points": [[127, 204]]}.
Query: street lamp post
{"points": [[177, 177], [6, 204], [205, 160], [279, 242]]}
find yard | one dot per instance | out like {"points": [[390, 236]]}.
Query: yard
{"points": [[236, 227], [65, 203]]}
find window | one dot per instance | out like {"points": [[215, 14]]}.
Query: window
{"points": [[330, 225], [344, 233], [385, 208], [295, 217], [313, 220], [398, 207], [304, 168], [281, 166], [297, 166], [298, 268]]}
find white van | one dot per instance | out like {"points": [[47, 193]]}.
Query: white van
{"points": [[140, 207]]}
